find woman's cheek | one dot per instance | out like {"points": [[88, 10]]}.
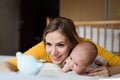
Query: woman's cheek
{"points": [[47, 49], [64, 51]]}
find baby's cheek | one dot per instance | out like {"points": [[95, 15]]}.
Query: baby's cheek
{"points": [[79, 70], [68, 63]]}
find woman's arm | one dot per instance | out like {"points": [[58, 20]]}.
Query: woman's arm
{"points": [[6, 66], [66, 68], [38, 51], [105, 71], [113, 61], [114, 70]]}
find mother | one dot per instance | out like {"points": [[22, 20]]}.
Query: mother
{"points": [[59, 38]]}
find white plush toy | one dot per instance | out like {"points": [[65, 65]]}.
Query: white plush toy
{"points": [[27, 64]]}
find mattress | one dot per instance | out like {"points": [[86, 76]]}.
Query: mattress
{"points": [[48, 72]]}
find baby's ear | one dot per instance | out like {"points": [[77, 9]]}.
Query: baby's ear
{"points": [[88, 65], [99, 63]]}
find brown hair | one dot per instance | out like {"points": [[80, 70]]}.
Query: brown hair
{"points": [[65, 26]]}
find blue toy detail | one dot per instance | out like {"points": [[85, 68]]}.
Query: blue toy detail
{"points": [[27, 64]]}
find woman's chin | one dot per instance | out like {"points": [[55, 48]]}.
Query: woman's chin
{"points": [[57, 62]]}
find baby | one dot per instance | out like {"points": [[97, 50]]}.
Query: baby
{"points": [[82, 58]]}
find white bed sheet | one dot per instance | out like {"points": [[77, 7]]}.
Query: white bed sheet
{"points": [[48, 72], [4, 57]]}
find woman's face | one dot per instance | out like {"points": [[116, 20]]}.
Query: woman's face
{"points": [[57, 46]]}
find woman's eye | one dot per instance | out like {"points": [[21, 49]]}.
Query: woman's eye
{"points": [[61, 45], [48, 44]]}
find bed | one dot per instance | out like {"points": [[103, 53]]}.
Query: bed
{"points": [[105, 33], [48, 72]]}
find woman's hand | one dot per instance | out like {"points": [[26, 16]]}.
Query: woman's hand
{"points": [[6, 66], [100, 71]]}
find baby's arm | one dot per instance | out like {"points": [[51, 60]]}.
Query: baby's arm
{"points": [[66, 68]]}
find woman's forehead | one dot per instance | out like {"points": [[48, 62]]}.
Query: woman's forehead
{"points": [[55, 36]]}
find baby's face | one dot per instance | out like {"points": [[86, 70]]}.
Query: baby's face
{"points": [[76, 64]]}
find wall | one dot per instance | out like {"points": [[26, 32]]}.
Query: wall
{"points": [[90, 10], [81, 10], [84, 10], [9, 26], [114, 5]]}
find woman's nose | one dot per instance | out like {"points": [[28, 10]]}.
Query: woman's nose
{"points": [[54, 51]]}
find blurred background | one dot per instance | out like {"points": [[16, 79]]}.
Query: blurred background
{"points": [[22, 22]]}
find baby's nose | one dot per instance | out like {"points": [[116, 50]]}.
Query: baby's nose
{"points": [[71, 64]]}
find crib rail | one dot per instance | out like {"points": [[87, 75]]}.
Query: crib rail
{"points": [[110, 32]]}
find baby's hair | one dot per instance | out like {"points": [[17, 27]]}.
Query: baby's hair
{"points": [[91, 49], [91, 45]]}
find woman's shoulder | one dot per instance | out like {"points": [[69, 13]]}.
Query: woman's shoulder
{"points": [[37, 49], [84, 39], [41, 43]]}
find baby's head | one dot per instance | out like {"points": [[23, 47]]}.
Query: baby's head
{"points": [[82, 56]]}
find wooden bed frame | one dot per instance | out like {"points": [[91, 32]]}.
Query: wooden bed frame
{"points": [[111, 29]]}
